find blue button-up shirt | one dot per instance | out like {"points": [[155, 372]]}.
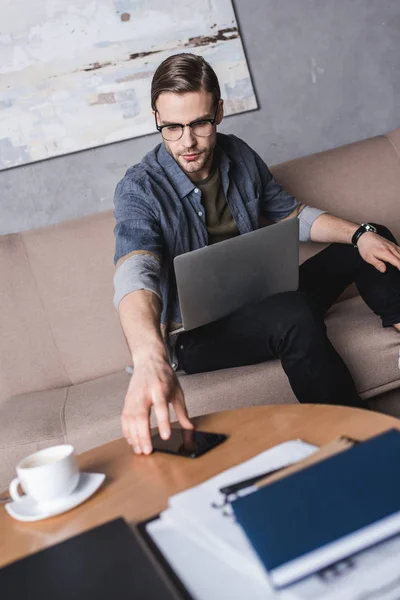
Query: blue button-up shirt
{"points": [[159, 215]]}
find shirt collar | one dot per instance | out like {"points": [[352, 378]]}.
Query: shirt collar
{"points": [[180, 180]]}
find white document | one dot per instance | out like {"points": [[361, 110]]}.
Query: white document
{"points": [[372, 574], [202, 513], [204, 575]]}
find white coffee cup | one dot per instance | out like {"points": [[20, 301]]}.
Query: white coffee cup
{"points": [[47, 475]]}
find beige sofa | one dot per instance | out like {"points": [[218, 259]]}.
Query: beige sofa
{"points": [[63, 356]]}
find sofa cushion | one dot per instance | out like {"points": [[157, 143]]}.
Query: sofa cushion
{"points": [[93, 411], [29, 423], [85, 415], [370, 351], [29, 359], [387, 403], [72, 263]]}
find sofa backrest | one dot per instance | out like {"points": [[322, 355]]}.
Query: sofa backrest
{"points": [[359, 181], [57, 321], [58, 324]]}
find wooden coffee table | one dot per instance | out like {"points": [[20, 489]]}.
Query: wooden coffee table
{"points": [[138, 487]]}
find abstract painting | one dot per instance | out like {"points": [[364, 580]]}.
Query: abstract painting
{"points": [[75, 74]]}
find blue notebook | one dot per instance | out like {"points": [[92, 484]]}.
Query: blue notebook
{"points": [[325, 512]]}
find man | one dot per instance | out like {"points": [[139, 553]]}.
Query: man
{"points": [[199, 187]]}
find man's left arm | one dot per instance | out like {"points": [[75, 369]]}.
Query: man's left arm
{"points": [[372, 247], [319, 226]]}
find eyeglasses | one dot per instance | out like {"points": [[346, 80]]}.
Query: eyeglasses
{"points": [[199, 127]]}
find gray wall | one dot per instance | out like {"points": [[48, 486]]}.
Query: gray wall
{"points": [[326, 72]]}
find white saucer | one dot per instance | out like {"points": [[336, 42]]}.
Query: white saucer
{"points": [[29, 510]]}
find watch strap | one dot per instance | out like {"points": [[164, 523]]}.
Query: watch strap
{"points": [[364, 227]]}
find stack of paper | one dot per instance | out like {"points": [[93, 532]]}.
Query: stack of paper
{"points": [[370, 575], [212, 556], [202, 513], [202, 518]]}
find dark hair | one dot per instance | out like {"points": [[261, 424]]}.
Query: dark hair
{"points": [[182, 73]]}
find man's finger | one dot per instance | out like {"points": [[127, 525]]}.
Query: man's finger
{"points": [[395, 247], [378, 264], [134, 436], [129, 430], [143, 430], [162, 416], [388, 255], [181, 411], [394, 258], [189, 442]]}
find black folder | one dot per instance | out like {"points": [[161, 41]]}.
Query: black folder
{"points": [[110, 562]]}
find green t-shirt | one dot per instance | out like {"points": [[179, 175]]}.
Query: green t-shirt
{"points": [[220, 222]]}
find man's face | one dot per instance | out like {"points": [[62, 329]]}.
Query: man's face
{"points": [[192, 153]]}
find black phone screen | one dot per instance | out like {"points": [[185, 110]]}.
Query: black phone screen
{"points": [[188, 442]]}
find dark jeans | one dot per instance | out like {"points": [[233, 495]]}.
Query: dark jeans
{"points": [[290, 326]]}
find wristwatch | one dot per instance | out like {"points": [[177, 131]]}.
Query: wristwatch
{"points": [[362, 229]]}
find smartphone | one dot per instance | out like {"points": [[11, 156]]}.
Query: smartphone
{"points": [[188, 442]]}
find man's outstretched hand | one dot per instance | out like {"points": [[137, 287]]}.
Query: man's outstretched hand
{"points": [[377, 251], [153, 383]]}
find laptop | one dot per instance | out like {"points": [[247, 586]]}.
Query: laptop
{"points": [[215, 281]]}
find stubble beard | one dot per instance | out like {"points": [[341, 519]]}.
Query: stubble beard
{"points": [[196, 165], [204, 159]]}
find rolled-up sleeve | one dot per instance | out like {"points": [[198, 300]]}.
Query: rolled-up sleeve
{"points": [[138, 244], [306, 218], [138, 272]]}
